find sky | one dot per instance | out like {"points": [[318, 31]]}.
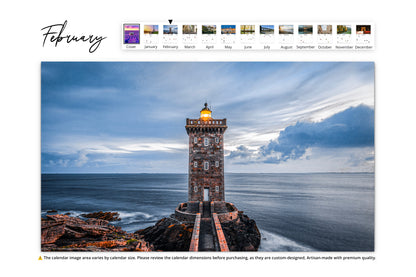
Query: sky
{"points": [[282, 117]]}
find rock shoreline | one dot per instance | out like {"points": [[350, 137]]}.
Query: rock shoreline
{"points": [[66, 233], [96, 234]]}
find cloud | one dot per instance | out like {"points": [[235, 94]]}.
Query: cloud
{"points": [[241, 152], [91, 154], [82, 159], [111, 115], [353, 127]]}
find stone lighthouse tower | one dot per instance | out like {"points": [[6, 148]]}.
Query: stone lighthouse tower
{"points": [[206, 157]]}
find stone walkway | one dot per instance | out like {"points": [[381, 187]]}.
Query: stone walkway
{"points": [[206, 237]]}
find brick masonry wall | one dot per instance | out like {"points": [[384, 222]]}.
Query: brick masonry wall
{"points": [[195, 234], [201, 177], [220, 234], [184, 216], [228, 216], [223, 212]]}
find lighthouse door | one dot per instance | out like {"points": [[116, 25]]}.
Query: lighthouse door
{"points": [[206, 194]]}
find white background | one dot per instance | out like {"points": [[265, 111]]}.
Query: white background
{"points": [[21, 53]]}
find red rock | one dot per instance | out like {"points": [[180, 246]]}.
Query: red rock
{"points": [[52, 233], [143, 246], [65, 233], [110, 216]]}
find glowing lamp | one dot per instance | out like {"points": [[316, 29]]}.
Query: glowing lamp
{"points": [[206, 112]]}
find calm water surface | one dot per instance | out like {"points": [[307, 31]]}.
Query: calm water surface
{"points": [[294, 212]]}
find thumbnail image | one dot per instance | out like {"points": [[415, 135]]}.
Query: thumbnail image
{"points": [[247, 29], [146, 164], [324, 29], [305, 29], [228, 29], [151, 29], [343, 29], [189, 29], [363, 29], [209, 29], [286, 29], [266, 29], [131, 33], [170, 29]]}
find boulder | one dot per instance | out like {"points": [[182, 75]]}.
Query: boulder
{"points": [[52, 232], [109, 216], [241, 234], [168, 234]]}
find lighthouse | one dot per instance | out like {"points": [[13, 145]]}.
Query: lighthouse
{"points": [[206, 157], [206, 206]]}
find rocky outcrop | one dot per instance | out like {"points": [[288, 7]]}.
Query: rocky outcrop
{"points": [[168, 234], [109, 216], [66, 233], [241, 234]]}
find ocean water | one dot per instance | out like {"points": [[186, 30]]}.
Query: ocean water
{"points": [[294, 212]]}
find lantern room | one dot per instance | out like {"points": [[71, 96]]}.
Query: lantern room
{"points": [[206, 112]]}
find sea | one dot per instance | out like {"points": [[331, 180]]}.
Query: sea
{"points": [[294, 212]]}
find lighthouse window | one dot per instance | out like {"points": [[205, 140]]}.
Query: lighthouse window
{"points": [[195, 189], [217, 140], [195, 164], [206, 165], [217, 163], [195, 139], [206, 141], [217, 188]]}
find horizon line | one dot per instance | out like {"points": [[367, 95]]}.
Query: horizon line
{"points": [[317, 172]]}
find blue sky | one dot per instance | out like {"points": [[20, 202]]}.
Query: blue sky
{"points": [[282, 117]]}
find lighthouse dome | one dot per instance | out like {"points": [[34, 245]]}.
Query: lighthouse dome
{"points": [[206, 112]]}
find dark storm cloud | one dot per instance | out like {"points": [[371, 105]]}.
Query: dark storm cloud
{"points": [[353, 127]]}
